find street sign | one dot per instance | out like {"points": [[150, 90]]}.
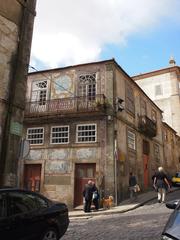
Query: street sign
{"points": [[16, 128], [24, 149]]}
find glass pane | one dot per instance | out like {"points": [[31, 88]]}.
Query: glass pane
{"points": [[90, 172], [81, 173], [20, 203]]}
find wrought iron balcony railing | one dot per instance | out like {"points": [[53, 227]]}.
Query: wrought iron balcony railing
{"points": [[66, 105], [147, 126]]}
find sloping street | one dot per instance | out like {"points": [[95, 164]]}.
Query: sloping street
{"points": [[144, 223]]}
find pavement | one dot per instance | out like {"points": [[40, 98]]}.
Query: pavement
{"points": [[124, 206]]}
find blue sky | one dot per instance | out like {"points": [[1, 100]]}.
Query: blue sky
{"points": [[149, 52], [140, 34]]}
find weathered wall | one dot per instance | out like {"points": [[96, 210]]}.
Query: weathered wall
{"points": [[8, 48], [16, 25], [128, 159]]}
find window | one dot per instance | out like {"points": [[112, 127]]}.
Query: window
{"points": [[130, 99], [165, 134], [2, 205], [143, 108], [86, 133], [60, 134], [131, 139], [154, 115], [87, 86], [23, 203], [156, 153], [39, 92], [35, 135], [158, 90]]}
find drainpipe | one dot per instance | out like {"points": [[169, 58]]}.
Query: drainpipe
{"points": [[115, 166]]}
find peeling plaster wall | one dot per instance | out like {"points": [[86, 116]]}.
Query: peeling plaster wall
{"points": [[59, 169], [8, 48]]}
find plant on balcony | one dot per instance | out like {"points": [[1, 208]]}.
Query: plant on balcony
{"points": [[100, 104]]}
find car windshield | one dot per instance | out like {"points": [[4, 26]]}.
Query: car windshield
{"points": [[178, 174], [174, 229]]}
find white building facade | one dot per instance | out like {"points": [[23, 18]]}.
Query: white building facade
{"points": [[163, 87]]}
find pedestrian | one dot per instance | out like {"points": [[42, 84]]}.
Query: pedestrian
{"points": [[153, 176], [132, 186], [161, 184], [87, 194], [95, 197]]}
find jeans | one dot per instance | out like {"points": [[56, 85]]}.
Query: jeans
{"points": [[133, 193]]}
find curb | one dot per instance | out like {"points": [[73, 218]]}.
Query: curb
{"points": [[110, 212]]}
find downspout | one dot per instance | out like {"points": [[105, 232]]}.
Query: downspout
{"points": [[115, 139], [115, 166]]}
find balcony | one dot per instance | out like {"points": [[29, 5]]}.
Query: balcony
{"points": [[73, 105], [147, 126]]}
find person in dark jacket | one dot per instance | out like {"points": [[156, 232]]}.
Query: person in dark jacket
{"points": [[95, 197], [161, 184], [132, 186], [87, 194]]}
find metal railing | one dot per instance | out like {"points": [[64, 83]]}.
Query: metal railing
{"points": [[66, 105], [147, 126]]}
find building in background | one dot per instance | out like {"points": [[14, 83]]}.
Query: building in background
{"points": [[171, 146], [163, 87], [89, 121], [16, 27]]}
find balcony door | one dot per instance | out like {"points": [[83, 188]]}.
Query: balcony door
{"points": [[86, 90], [39, 96], [83, 173]]}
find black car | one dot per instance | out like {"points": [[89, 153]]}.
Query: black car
{"points": [[172, 228], [26, 215]]}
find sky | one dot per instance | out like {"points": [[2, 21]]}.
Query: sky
{"points": [[141, 35]]}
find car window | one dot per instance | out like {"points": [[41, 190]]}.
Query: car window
{"points": [[41, 202], [24, 202], [173, 229], [2, 205], [178, 174]]}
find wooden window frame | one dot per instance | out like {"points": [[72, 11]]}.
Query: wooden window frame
{"points": [[33, 134], [60, 132], [88, 136]]}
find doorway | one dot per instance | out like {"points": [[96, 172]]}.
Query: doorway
{"points": [[146, 150], [83, 173], [32, 177]]}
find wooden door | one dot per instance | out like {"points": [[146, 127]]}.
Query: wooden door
{"points": [[32, 177], [146, 150], [83, 173]]}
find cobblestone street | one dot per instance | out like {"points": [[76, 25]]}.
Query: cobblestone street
{"points": [[144, 223]]}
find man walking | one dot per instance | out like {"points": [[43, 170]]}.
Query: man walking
{"points": [[87, 194], [132, 186], [161, 184]]}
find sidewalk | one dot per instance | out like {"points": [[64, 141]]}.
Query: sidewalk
{"points": [[124, 206]]}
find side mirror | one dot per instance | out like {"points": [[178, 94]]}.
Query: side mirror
{"points": [[172, 204]]}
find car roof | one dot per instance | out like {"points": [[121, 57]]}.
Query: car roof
{"points": [[14, 189]]}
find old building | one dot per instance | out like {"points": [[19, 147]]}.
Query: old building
{"points": [[16, 25], [89, 121], [163, 87], [171, 142]]}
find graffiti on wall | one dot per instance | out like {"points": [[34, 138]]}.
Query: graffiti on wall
{"points": [[56, 167], [62, 87], [34, 155], [58, 154], [86, 153]]}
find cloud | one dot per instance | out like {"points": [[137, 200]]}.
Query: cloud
{"points": [[71, 32]]}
